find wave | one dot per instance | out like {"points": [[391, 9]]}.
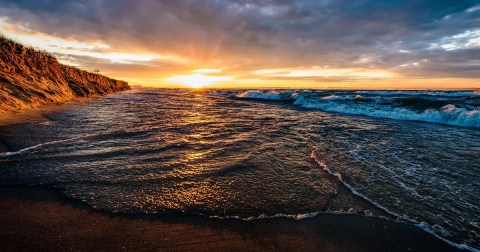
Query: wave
{"points": [[272, 95], [316, 156], [419, 103], [52, 143], [283, 95], [412, 108], [448, 114], [334, 97], [428, 93]]}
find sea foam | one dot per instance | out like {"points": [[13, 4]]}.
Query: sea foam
{"points": [[316, 155], [378, 104], [272, 95]]}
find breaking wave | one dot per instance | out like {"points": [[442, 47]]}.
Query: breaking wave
{"points": [[451, 108], [273, 95], [429, 93]]}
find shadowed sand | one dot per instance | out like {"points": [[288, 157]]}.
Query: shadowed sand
{"points": [[44, 220], [37, 114]]}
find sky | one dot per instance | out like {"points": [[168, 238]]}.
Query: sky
{"points": [[335, 44]]}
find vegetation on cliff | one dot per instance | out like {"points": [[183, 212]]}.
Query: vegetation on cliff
{"points": [[31, 78]]}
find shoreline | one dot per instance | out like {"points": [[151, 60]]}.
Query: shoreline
{"points": [[30, 115], [33, 218], [37, 114]]}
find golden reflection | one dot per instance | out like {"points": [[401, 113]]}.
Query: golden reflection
{"points": [[195, 155], [197, 126]]}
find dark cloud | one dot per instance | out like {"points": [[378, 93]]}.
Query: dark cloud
{"points": [[243, 34]]}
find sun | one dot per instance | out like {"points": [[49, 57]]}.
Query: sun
{"points": [[192, 80], [197, 80]]}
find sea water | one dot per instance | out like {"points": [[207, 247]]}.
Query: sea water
{"points": [[408, 156]]}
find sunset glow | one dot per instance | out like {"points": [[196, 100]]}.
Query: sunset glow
{"points": [[325, 72], [261, 44], [197, 80], [240, 125]]}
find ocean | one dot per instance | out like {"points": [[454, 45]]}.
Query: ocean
{"points": [[405, 156]]}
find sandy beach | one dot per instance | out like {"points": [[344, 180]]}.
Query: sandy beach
{"points": [[44, 220]]}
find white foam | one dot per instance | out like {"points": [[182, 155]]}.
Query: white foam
{"points": [[400, 217], [289, 216], [265, 216], [425, 227], [337, 98], [272, 95], [448, 114], [38, 146], [429, 93]]}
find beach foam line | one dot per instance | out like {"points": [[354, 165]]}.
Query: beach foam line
{"points": [[400, 217], [323, 165], [41, 145], [425, 227], [299, 217], [266, 216]]}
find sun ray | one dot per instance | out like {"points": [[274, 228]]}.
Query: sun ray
{"points": [[197, 80]]}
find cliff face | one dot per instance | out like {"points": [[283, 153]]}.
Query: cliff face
{"points": [[30, 78]]}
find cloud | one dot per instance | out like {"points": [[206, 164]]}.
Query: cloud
{"points": [[207, 70], [465, 40], [246, 35], [351, 73]]}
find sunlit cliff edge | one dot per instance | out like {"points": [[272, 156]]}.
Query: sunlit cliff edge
{"points": [[30, 78]]}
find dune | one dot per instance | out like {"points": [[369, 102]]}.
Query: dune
{"points": [[31, 78]]}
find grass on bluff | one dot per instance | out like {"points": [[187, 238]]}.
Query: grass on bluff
{"points": [[31, 77], [6, 41]]}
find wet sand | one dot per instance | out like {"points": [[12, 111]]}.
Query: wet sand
{"points": [[37, 114], [44, 220]]}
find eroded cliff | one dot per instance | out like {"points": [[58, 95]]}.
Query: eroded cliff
{"points": [[31, 78]]}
